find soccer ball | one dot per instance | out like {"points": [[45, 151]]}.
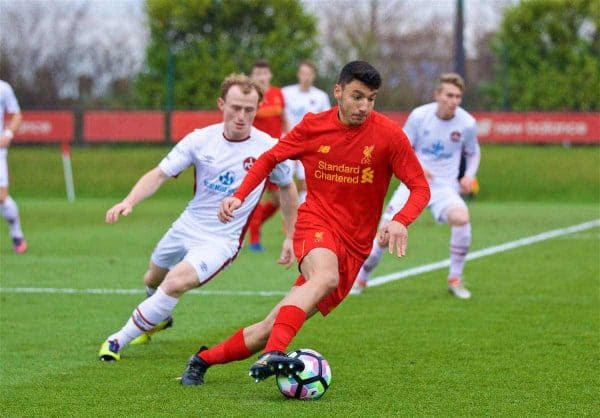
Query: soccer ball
{"points": [[312, 382]]}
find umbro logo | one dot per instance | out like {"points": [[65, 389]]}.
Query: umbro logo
{"points": [[324, 149]]}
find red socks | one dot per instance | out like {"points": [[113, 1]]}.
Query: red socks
{"points": [[288, 322], [261, 214], [268, 210], [232, 349]]}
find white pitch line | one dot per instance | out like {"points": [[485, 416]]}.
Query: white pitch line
{"points": [[132, 291], [376, 281]]}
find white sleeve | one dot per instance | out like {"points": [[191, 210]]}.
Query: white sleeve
{"points": [[179, 158], [471, 151], [411, 128], [286, 100], [326, 103], [10, 101], [282, 174]]}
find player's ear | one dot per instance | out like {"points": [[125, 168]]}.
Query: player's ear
{"points": [[337, 92], [220, 103]]}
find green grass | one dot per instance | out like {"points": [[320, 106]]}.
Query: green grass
{"points": [[528, 342]]}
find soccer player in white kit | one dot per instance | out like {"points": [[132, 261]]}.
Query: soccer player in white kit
{"points": [[8, 207], [440, 133], [300, 99], [198, 246]]}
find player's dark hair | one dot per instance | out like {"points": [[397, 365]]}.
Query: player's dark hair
{"points": [[260, 64], [361, 71]]}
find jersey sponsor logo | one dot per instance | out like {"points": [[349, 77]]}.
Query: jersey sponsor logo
{"points": [[226, 179], [324, 149], [343, 173], [248, 162], [367, 154], [455, 136], [367, 175], [437, 151]]}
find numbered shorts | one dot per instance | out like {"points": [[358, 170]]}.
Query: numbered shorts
{"points": [[3, 168], [443, 197], [207, 254], [309, 238]]}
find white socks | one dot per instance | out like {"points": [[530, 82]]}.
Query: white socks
{"points": [[371, 262], [460, 241], [10, 212], [145, 317]]}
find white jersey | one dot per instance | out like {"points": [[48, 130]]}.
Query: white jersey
{"points": [[439, 143], [8, 102], [298, 103], [220, 166]]}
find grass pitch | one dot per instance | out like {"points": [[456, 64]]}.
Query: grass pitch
{"points": [[526, 344]]}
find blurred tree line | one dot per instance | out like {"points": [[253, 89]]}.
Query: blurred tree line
{"points": [[543, 54]]}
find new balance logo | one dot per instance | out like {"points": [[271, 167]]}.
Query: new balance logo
{"points": [[367, 175], [324, 149]]}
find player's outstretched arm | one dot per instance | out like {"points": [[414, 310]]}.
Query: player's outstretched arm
{"points": [[146, 186], [398, 237], [7, 135], [228, 205], [288, 197]]}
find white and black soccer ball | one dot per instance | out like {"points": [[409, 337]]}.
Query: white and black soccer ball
{"points": [[312, 382]]}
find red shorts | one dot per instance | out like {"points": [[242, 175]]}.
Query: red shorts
{"points": [[306, 239]]}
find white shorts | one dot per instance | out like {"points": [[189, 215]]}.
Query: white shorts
{"points": [[3, 168], [207, 254], [296, 168], [443, 197]]}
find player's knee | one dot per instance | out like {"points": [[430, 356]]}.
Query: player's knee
{"points": [[176, 285], [329, 282], [458, 217], [3, 195]]}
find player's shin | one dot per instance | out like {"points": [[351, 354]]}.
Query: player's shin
{"points": [[288, 322], [10, 212], [460, 241], [232, 349]]}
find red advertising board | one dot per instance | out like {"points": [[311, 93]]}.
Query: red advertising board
{"points": [[124, 126], [531, 127], [492, 127], [45, 127], [543, 128], [184, 122]]}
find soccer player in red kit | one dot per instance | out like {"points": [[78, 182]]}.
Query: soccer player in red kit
{"points": [[350, 154], [270, 118]]}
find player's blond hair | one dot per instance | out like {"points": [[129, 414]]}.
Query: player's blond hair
{"points": [[450, 78], [244, 82]]}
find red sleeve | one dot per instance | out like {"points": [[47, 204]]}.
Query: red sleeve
{"points": [[290, 146], [407, 168], [257, 173]]}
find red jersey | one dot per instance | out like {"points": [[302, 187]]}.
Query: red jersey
{"points": [[348, 171], [269, 117]]}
